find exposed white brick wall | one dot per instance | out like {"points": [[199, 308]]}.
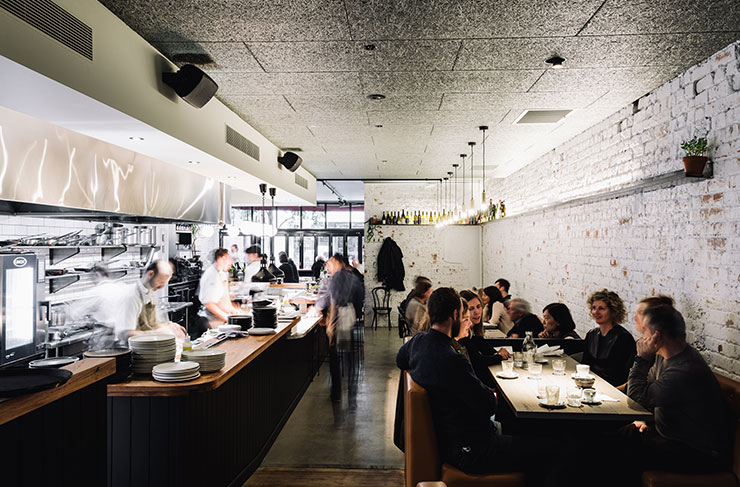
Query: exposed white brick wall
{"points": [[683, 241], [449, 256]]}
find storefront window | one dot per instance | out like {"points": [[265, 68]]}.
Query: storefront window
{"points": [[309, 251], [323, 248], [337, 216], [288, 218], [358, 216], [314, 217]]}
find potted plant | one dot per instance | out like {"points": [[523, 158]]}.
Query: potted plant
{"points": [[696, 158]]}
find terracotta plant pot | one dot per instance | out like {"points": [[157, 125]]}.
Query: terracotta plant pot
{"points": [[694, 165]]}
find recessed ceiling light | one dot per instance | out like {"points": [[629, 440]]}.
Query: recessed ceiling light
{"points": [[375, 97], [193, 162], [230, 177], [136, 138], [556, 62], [378, 126], [369, 47]]}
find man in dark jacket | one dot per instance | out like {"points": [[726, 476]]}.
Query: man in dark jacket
{"points": [[520, 312], [461, 404]]}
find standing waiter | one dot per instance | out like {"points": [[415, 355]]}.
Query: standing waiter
{"points": [[214, 292]]}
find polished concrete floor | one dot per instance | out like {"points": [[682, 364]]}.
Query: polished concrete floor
{"points": [[354, 433]]}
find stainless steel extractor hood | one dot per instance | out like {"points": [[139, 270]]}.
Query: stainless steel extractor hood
{"points": [[48, 169]]}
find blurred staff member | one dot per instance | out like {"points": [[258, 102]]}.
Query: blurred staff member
{"points": [[254, 254], [234, 253], [141, 314], [214, 292]]}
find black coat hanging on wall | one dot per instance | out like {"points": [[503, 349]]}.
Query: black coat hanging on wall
{"points": [[390, 265]]}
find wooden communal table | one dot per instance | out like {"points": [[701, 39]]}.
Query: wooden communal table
{"points": [[57, 436], [521, 395], [213, 431]]}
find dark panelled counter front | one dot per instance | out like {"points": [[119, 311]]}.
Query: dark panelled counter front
{"points": [[216, 430]]}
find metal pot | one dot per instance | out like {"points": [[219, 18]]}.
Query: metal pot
{"points": [[117, 236], [146, 235], [131, 236]]}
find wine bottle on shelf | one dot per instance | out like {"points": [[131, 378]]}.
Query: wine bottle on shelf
{"points": [[501, 209]]}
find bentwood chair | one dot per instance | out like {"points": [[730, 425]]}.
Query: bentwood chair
{"points": [[404, 330], [381, 305]]}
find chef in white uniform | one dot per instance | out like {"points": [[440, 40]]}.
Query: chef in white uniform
{"points": [[254, 254], [214, 292]]}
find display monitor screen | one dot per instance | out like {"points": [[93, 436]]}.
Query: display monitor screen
{"points": [[19, 307]]}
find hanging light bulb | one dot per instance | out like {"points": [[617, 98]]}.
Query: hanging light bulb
{"points": [[448, 212], [274, 270], [463, 209], [263, 275], [456, 209], [483, 199], [471, 212]]}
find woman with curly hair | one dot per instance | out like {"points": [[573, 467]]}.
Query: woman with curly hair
{"points": [[610, 349]]}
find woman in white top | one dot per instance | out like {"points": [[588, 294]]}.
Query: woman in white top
{"points": [[495, 311]]}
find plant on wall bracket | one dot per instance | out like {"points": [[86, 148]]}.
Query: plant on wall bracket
{"points": [[695, 160]]}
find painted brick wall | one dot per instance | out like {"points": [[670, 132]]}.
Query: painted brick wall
{"points": [[682, 241], [449, 256]]}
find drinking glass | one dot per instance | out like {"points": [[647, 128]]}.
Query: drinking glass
{"points": [[558, 366], [589, 395], [507, 367], [541, 390], [553, 394], [574, 397], [518, 359], [535, 371]]}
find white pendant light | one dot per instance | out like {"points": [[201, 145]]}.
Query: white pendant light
{"points": [[471, 211], [483, 202]]}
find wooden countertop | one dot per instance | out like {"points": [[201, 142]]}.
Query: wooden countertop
{"points": [[239, 353], [85, 372]]}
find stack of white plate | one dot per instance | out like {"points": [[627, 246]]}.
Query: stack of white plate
{"points": [[210, 359], [150, 350], [176, 371]]}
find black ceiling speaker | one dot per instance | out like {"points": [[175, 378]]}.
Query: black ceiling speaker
{"points": [[291, 161], [192, 85]]}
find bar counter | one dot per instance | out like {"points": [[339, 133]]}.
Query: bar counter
{"points": [[57, 436], [216, 429]]}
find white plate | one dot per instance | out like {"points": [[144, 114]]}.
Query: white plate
{"points": [[205, 352], [502, 375], [559, 405], [162, 379], [590, 403], [150, 339], [176, 367], [262, 331]]}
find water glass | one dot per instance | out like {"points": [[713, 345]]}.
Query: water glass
{"points": [[553, 395], [518, 359], [507, 367], [574, 397], [535, 370], [558, 366], [541, 390]]}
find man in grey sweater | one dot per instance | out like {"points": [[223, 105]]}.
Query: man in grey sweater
{"points": [[671, 378]]}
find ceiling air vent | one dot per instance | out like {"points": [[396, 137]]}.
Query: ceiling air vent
{"points": [[241, 143], [54, 21], [301, 181], [541, 116]]}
